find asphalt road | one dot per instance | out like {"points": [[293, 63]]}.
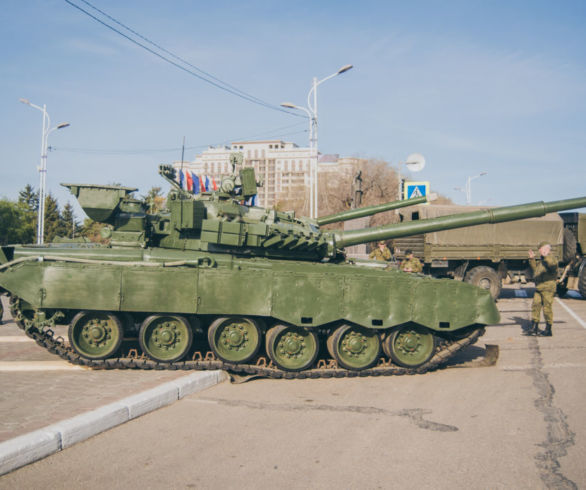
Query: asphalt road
{"points": [[520, 424]]}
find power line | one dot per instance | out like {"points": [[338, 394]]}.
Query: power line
{"points": [[102, 151], [220, 84], [173, 55]]}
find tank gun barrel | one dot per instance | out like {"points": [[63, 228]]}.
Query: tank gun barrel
{"points": [[369, 210], [495, 215]]}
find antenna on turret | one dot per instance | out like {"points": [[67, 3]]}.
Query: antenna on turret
{"points": [[236, 158], [182, 153]]}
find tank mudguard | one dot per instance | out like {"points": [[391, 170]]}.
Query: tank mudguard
{"points": [[308, 295]]}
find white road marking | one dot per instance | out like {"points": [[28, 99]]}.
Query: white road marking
{"points": [[14, 338], [546, 366], [520, 293], [573, 315], [22, 366]]}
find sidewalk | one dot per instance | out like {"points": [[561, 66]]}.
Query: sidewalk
{"points": [[38, 388]]}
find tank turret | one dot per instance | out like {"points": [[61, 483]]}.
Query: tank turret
{"points": [[218, 221]]}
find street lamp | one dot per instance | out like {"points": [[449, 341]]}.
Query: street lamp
{"points": [[311, 111], [468, 188], [47, 130]]}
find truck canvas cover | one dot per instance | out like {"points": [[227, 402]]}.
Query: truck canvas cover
{"points": [[500, 240]]}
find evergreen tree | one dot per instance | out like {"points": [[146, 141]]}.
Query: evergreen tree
{"points": [[29, 198], [69, 226], [53, 223], [28, 203]]}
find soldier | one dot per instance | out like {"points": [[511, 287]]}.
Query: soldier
{"points": [[544, 276], [411, 263], [381, 253]]}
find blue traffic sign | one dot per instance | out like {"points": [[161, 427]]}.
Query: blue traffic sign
{"points": [[415, 189]]}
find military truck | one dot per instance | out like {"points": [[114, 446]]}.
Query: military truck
{"points": [[485, 255]]}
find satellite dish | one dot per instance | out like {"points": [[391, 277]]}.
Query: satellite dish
{"points": [[415, 162]]}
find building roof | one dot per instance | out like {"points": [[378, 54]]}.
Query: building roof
{"points": [[329, 158]]}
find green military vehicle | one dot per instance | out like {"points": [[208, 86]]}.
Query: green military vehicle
{"points": [[211, 283], [488, 254]]}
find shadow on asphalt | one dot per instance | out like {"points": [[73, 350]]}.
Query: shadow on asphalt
{"points": [[528, 291], [472, 353]]}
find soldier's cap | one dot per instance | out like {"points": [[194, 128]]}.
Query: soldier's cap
{"points": [[381, 242], [543, 244], [408, 252]]}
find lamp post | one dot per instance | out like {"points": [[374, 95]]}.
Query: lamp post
{"points": [[311, 111], [47, 130], [468, 187]]}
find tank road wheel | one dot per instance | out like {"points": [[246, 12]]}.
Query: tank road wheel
{"points": [[292, 348], [95, 334], [165, 338], [234, 339], [410, 346], [354, 347]]}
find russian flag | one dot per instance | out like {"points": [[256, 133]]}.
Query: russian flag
{"points": [[189, 181], [180, 178], [195, 181]]}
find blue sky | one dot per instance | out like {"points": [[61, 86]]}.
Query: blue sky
{"points": [[475, 86]]}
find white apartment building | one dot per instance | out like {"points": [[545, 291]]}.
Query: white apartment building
{"points": [[283, 167]]}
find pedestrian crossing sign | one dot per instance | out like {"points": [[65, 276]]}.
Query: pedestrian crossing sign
{"points": [[415, 189]]}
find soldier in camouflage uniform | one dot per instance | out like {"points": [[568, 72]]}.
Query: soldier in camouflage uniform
{"points": [[544, 275], [411, 263], [381, 252]]}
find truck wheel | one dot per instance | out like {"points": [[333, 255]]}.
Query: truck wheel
{"points": [[570, 246], [582, 281], [486, 278]]}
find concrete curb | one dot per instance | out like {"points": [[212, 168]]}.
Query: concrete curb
{"points": [[41, 443]]}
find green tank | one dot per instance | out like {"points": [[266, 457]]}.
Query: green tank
{"points": [[212, 283]]}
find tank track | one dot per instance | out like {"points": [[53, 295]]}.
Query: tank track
{"points": [[46, 338]]}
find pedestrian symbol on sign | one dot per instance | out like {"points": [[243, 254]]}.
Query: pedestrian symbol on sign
{"points": [[416, 192], [415, 189]]}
